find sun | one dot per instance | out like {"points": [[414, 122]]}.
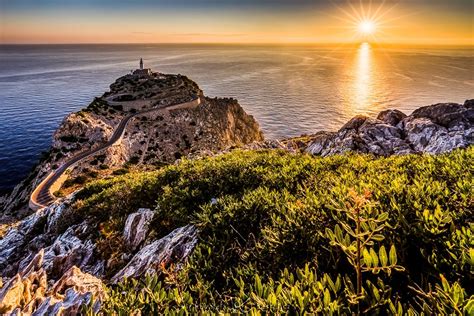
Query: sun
{"points": [[366, 27], [366, 22]]}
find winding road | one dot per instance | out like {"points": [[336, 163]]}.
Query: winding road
{"points": [[42, 195]]}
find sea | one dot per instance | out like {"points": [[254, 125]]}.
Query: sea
{"points": [[290, 90]]}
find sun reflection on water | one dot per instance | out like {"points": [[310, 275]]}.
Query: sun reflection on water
{"points": [[363, 81], [363, 91]]}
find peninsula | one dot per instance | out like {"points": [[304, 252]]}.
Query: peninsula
{"points": [[146, 119], [157, 199]]}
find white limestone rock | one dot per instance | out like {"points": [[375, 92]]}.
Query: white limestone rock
{"points": [[136, 227], [174, 247]]}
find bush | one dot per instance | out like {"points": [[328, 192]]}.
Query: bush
{"points": [[278, 231], [69, 138], [119, 172], [134, 160]]}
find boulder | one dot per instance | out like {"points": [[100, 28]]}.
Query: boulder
{"points": [[136, 227], [446, 114], [391, 117], [173, 248]]}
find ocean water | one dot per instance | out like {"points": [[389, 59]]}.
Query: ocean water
{"points": [[290, 90]]}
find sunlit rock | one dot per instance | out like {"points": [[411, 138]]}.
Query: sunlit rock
{"points": [[28, 293], [391, 117], [136, 227], [432, 129], [173, 248]]}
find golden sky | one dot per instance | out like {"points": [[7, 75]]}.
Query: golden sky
{"points": [[201, 21]]}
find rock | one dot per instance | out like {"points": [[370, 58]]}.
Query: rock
{"points": [[426, 136], [433, 129], [11, 295], [28, 294], [32, 228], [361, 134], [17, 236], [391, 117], [446, 114], [354, 123], [320, 142], [39, 233], [69, 294], [66, 251], [173, 248], [266, 144], [136, 227]]}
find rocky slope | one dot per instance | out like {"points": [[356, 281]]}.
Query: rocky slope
{"points": [[157, 137], [51, 269]]}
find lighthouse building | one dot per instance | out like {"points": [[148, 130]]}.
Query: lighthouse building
{"points": [[142, 71]]}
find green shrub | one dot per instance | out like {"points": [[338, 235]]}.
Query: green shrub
{"points": [[119, 172], [278, 231]]}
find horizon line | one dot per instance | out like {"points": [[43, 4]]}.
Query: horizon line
{"points": [[243, 43]]}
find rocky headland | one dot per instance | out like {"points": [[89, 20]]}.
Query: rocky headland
{"points": [[171, 119], [56, 260]]}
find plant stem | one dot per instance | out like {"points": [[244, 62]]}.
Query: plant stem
{"points": [[358, 268]]}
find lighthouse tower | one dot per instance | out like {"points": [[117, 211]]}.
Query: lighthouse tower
{"points": [[142, 72]]}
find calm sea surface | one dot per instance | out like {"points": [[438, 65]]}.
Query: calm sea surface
{"points": [[290, 90]]}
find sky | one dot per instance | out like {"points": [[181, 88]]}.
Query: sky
{"points": [[447, 22]]}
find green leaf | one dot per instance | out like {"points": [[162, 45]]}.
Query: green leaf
{"points": [[383, 217], [375, 258], [393, 255], [258, 285], [338, 233], [367, 257], [327, 298], [383, 256], [378, 237]]}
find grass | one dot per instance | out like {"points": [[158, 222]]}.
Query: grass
{"points": [[270, 242]]}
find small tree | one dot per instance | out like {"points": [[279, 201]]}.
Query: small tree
{"points": [[356, 232]]}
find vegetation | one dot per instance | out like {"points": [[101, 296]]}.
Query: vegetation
{"points": [[96, 106], [69, 138], [292, 233]]}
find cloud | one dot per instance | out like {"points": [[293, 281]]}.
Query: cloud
{"points": [[212, 34]]}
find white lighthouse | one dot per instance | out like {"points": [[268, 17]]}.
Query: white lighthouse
{"points": [[142, 72]]}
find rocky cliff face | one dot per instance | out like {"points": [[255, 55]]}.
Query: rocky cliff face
{"points": [[159, 136]]}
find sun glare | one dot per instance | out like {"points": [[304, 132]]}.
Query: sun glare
{"points": [[366, 22], [366, 27]]}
